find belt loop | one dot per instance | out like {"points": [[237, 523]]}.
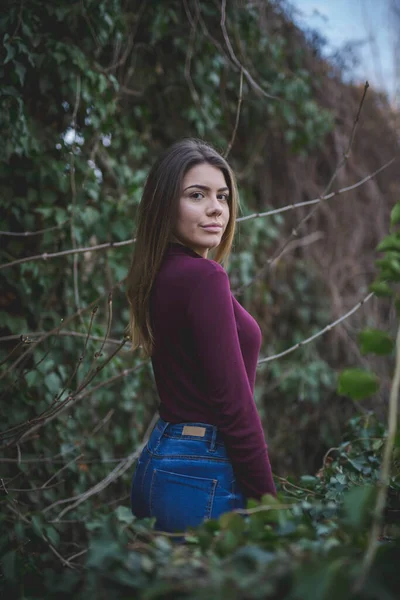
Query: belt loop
{"points": [[160, 434], [213, 439]]}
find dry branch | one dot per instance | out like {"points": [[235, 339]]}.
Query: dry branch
{"points": [[234, 58], [237, 115], [109, 245], [275, 257]]}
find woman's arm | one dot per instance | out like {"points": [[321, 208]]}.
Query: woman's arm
{"points": [[212, 323]]}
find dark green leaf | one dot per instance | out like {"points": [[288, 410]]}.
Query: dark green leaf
{"points": [[357, 383], [395, 214], [357, 504], [389, 243], [375, 340], [381, 288]]}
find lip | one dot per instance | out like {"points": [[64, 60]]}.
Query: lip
{"points": [[212, 227]]}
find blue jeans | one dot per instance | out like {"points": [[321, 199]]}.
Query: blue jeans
{"points": [[183, 476]]}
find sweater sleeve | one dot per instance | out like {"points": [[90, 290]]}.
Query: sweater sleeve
{"points": [[215, 337]]}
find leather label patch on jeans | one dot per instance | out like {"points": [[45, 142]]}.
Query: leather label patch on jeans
{"points": [[190, 430]]}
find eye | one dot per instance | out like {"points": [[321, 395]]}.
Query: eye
{"points": [[196, 194], [225, 196]]}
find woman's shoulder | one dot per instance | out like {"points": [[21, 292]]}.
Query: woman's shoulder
{"points": [[203, 268]]}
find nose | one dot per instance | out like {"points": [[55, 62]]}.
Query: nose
{"points": [[215, 205]]}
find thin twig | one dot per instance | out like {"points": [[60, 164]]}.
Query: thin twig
{"points": [[237, 115], [78, 554], [351, 140], [348, 188], [62, 469], [43, 536], [37, 489], [73, 193], [384, 479], [47, 255], [263, 508], [103, 421], [81, 358], [319, 333], [249, 78], [295, 232], [16, 347], [26, 337], [72, 399], [131, 39], [110, 245], [38, 232], [64, 323], [47, 410], [188, 62], [99, 352], [115, 474]]}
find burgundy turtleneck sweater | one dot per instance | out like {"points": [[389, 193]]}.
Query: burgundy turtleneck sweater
{"points": [[205, 358]]}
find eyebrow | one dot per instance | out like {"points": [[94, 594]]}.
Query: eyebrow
{"points": [[205, 188]]}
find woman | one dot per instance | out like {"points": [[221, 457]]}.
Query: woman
{"points": [[206, 454]]}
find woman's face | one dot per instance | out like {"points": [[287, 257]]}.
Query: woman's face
{"points": [[203, 200]]}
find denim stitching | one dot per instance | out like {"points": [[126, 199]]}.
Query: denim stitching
{"points": [[188, 456], [189, 437], [151, 493], [145, 470], [211, 500]]}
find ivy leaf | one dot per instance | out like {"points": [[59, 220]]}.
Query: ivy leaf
{"points": [[20, 71], [357, 383], [381, 288], [395, 214], [124, 515], [375, 340], [232, 522], [10, 53], [8, 561], [357, 504], [390, 243]]}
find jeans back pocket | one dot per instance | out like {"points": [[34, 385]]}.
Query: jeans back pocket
{"points": [[180, 501]]}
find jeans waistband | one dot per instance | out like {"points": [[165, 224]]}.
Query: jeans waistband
{"points": [[204, 432]]}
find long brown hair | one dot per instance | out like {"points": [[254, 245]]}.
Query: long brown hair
{"points": [[157, 212]]}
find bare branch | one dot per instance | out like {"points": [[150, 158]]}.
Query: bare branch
{"points": [[68, 402], [43, 536], [351, 139], [64, 323], [237, 115], [275, 257], [16, 347], [38, 232], [348, 188], [119, 470], [188, 62], [110, 245], [91, 372], [47, 255], [319, 333], [384, 479], [45, 485], [26, 336], [249, 78], [71, 400], [130, 42]]}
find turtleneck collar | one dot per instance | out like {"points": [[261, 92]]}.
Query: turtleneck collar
{"points": [[177, 248]]}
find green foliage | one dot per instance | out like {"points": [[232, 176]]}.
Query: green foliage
{"points": [[375, 340], [357, 383], [89, 93], [285, 547]]}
